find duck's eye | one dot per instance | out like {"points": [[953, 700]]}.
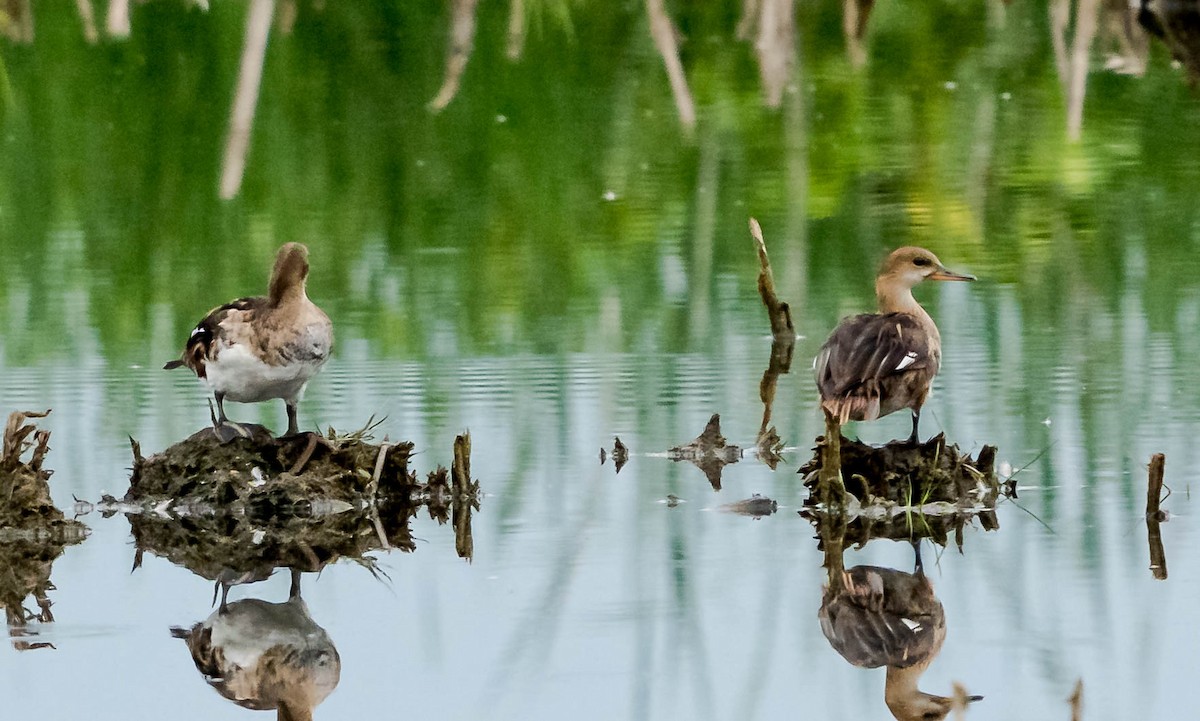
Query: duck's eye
{"points": [[920, 262]]}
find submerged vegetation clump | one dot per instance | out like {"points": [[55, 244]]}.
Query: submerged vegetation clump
{"points": [[234, 511], [26, 510], [33, 532], [273, 475], [905, 475]]}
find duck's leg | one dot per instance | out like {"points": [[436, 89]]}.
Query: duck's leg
{"points": [[293, 426], [223, 425], [220, 407], [918, 567], [294, 590], [916, 420]]}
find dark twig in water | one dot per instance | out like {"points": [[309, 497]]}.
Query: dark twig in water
{"points": [[302, 461]]}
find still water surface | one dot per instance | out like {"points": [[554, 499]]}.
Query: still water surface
{"points": [[552, 262]]}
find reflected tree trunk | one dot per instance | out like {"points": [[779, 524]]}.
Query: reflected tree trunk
{"points": [[20, 30], [855, 14], [1085, 31], [1071, 60], [748, 20], [458, 52], [245, 101], [87, 17], [664, 34], [285, 18], [794, 269], [776, 48], [116, 20], [700, 277], [516, 30]]}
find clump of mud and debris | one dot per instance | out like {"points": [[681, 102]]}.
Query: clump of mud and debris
{"points": [[911, 475], [902, 490], [233, 510], [26, 509], [33, 532]]}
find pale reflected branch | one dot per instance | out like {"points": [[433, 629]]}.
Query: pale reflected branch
{"points": [[87, 17], [855, 14], [116, 20], [663, 32], [776, 48], [516, 30], [458, 53], [241, 118], [20, 14], [1085, 31]]}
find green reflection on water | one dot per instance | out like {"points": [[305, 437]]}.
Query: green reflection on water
{"points": [[555, 205]]}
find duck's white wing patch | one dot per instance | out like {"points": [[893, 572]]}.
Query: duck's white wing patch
{"points": [[913, 626], [908, 359], [196, 331]]}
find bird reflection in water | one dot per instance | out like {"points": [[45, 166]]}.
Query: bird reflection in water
{"points": [[263, 655], [875, 617]]}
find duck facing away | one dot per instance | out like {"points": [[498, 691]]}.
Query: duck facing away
{"points": [[256, 349], [874, 364]]}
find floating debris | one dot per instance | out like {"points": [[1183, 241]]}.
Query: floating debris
{"points": [[709, 452], [756, 506], [620, 454]]}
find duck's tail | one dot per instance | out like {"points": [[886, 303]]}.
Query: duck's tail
{"points": [[172, 365]]}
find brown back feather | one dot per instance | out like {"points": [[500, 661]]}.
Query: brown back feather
{"points": [[862, 354]]}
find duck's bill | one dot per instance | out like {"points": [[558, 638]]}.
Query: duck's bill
{"points": [[943, 274]]}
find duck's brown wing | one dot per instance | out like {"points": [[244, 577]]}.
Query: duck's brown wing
{"points": [[876, 619], [862, 354], [202, 342]]}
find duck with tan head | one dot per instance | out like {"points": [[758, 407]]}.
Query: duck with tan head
{"points": [[255, 349], [874, 364]]}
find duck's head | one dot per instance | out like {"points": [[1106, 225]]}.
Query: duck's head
{"points": [[921, 706], [290, 272], [911, 265]]}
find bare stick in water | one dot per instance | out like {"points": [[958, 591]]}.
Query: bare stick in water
{"points": [[1154, 517]]}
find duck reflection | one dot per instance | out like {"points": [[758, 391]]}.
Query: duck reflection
{"points": [[264, 655], [876, 616]]}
